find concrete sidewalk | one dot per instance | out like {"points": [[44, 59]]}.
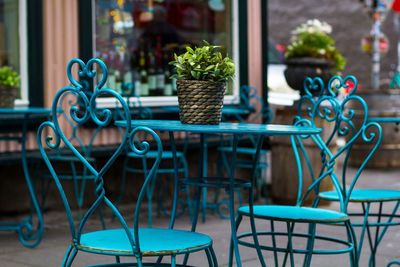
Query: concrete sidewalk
{"points": [[56, 238]]}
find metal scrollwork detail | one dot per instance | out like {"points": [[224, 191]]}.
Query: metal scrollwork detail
{"points": [[347, 118]]}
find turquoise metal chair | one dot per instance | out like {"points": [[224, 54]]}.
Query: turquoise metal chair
{"points": [[339, 114], [378, 210], [394, 263], [166, 169], [246, 149], [128, 241], [73, 169]]}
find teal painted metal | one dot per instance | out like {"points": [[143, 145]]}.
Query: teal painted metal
{"points": [[379, 218], [30, 229], [393, 263], [127, 240], [78, 174], [164, 170], [231, 183], [224, 128], [251, 102], [319, 103]]}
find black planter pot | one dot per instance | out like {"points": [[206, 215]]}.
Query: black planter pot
{"points": [[300, 68]]}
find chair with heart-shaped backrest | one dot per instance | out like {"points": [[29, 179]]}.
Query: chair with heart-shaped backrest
{"points": [[120, 240], [339, 114], [166, 168]]}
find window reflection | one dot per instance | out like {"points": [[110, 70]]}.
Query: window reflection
{"points": [[137, 38], [9, 34]]}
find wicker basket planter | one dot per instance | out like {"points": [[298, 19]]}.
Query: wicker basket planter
{"points": [[7, 96], [200, 102]]}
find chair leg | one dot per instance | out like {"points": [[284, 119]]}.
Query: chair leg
{"points": [[209, 258], [214, 257], [69, 256], [310, 244], [173, 261], [352, 238], [276, 259], [139, 261], [256, 242], [230, 261], [290, 228]]}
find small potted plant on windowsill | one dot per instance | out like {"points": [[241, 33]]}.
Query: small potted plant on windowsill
{"points": [[312, 53], [202, 74], [9, 84]]}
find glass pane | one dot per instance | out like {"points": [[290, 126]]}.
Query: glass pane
{"points": [[9, 34], [137, 38]]}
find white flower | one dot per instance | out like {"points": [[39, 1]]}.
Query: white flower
{"points": [[313, 26]]}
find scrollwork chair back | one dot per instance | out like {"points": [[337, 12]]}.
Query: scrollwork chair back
{"points": [[345, 118], [83, 113], [131, 241]]}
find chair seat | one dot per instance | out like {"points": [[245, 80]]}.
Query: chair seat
{"points": [[153, 154], [243, 150], [293, 213], [365, 195], [153, 242]]}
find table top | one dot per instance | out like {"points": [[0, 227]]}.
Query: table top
{"points": [[385, 119], [223, 127], [24, 110]]}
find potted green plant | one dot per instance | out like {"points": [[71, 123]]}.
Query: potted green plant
{"points": [[202, 74], [9, 84], [312, 52]]}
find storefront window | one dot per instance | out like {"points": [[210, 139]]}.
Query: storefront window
{"points": [[137, 39], [12, 49]]}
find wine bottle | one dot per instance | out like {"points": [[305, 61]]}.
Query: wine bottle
{"points": [[152, 79], [118, 81], [168, 85], [144, 85], [160, 69]]}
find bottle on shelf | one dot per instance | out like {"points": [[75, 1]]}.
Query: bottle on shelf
{"points": [[118, 81], [111, 80], [144, 85], [168, 90], [152, 78], [160, 68]]}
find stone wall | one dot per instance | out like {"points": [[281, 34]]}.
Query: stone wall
{"points": [[350, 22]]}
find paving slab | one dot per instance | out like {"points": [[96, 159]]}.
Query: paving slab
{"points": [[56, 239]]}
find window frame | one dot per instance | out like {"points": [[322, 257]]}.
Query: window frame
{"points": [[156, 101], [23, 101]]}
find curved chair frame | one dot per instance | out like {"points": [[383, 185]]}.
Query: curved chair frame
{"points": [[145, 113], [123, 241], [380, 218], [340, 114], [62, 155], [246, 155]]}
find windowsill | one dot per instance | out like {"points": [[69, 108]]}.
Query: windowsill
{"points": [[21, 103], [283, 99], [155, 101]]}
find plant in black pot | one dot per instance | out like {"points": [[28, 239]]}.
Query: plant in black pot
{"points": [[9, 84], [312, 53], [202, 74]]}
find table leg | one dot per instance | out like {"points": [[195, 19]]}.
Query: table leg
{"points": [[202, 169], [28, 235], [232, 211], [176, 180], [204, 190]]}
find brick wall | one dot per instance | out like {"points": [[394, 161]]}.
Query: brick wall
{"points": [[350, 22]]}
